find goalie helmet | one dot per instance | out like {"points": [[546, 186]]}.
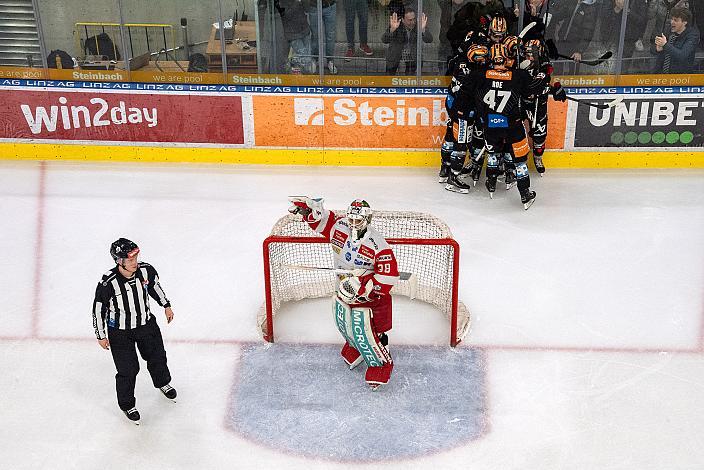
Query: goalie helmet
{"points": [[359, 216], [123, 249]]}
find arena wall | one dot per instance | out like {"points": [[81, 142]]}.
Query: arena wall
{"points": [[45, 119]]}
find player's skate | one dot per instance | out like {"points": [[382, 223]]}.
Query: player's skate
{"points": [[133, 415], [527, 198], [502, 171], [491, 186], [351, 356], [445, 157], [454, 184], [443, 174], [475, 172], [538, 160], [510, 179], [169, 392]]}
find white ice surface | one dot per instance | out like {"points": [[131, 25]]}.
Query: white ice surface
{"points": [[573, 300]]}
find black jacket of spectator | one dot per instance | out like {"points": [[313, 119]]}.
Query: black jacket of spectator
{"points": [[681, 50], [610, 29], [293, 19], [468, 18], [396, 42], [573, 24], [465, 20], [447, 15]]}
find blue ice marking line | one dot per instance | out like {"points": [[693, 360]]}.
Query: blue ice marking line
{"points": [[303, 399], [220, 88], [606, 93]]}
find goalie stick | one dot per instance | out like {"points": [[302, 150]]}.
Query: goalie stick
{"points": [[608, 105], [404, 276], [554, 54]]}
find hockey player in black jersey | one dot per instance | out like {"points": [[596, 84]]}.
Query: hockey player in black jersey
{"points": [[472, 55], [460, 108], [536, 106]]}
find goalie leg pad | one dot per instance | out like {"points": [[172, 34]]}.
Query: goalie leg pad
{"points": [[351, 356], [343, 319], [365, 339], [377, 376]]}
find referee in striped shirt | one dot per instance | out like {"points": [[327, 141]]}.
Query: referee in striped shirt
{"points": [[122, 319]]}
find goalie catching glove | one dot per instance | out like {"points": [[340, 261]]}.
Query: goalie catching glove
{"points": [[311, 209], [357, 290]]}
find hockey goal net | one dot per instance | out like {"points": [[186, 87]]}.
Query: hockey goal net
{"points": [[422, 243]]}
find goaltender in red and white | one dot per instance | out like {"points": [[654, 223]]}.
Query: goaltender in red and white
{"points": [[362, 305]]}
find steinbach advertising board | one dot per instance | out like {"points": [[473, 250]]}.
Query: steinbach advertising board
{"points": [[363, 122], [643, 121], [102, 116]]}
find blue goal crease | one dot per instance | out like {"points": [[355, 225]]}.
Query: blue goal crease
{"points": [[303, 400]]}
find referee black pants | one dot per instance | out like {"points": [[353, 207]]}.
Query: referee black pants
{"points": [[148, 340]]}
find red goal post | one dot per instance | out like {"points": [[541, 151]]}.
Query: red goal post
{"points": [[423, 246]]}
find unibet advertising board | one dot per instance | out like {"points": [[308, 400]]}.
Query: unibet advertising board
{"points": [[649, 121]]}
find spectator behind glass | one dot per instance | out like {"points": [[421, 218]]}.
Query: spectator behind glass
{"points": [[572, 26], [534, 12], [358, 9], [658, 11], [401, 38], [469, 18], [297, 34], [610, 29], [329, 25], [448, 9], [676, 52]]}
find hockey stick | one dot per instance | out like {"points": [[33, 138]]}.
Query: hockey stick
{"points": [[608, 105], [404, 276], [554, 54], [525, 30]]}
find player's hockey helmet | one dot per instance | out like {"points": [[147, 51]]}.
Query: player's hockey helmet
{"points": [[534, 50], [478, 54], [511, 43], [499, 57], [359, 215], [123, 249], [498, 28]]}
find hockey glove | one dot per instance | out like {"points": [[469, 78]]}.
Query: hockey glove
{"points": [[558, 92], [356, 290], [310, 209]]}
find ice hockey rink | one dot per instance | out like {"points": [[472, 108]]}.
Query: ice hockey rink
{"points": [[586, 348]]}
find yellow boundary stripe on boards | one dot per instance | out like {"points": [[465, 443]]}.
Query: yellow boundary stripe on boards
{"points": [[333, 157]]}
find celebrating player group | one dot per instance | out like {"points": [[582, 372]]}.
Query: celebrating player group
{"points": [[500, 85]]}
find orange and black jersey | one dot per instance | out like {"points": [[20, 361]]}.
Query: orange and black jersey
{"points": [[497, 94]]}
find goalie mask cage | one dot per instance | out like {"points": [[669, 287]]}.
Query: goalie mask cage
{"points": [[423, 245]]}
